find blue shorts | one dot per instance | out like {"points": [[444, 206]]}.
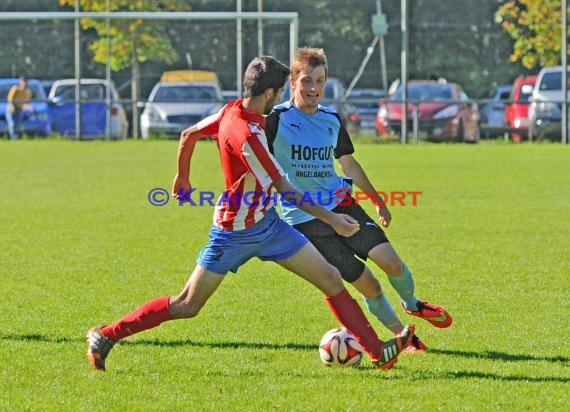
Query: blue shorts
{"points": [[269, 239]]}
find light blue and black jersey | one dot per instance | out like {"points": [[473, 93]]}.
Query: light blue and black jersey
{"points": [[305, 146]]}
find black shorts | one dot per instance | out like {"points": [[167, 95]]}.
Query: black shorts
{"points": [[340, 251]]}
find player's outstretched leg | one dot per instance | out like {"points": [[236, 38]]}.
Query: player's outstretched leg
{"points": [[187, 304], [402, 280], [392, 348], [100, 340], [436, 315], [98, 347], [311, 266], [380, 307]]}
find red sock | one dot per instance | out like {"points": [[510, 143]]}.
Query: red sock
{"points": [[148, 316], [347, 311]]}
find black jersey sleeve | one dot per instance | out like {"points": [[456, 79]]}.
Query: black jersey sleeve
{"points": [[271, 126], [344, 144]]}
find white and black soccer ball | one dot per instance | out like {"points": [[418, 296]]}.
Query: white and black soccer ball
{"points": [[339, 347]]}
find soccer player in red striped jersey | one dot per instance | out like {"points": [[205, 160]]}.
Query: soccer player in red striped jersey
{"points": [[245, 229]]}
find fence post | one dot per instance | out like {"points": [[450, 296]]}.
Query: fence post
{"points": [[404, 74]]}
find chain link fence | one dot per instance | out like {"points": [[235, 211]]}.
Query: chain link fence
{"points": [[458, 41]]}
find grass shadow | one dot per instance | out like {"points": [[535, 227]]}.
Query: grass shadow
{"points": [[492, 355], [470, 374], [36, 337], [509, 378], [498, 355], [227, 344]]}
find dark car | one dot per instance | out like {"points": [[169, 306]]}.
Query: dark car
{"points": [[444, 112], [493, 113], [366, 102], [334, 98]]}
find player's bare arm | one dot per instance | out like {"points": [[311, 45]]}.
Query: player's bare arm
{"points": [[343, 224], [352, 168], [188, 139]]}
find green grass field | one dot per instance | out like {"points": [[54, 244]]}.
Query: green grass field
{"points": [[80, 245]]}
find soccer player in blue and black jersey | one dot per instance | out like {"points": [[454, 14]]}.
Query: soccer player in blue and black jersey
{"points": [[305, 138]]}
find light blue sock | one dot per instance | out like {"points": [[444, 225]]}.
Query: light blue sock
{"points": [[404, 285], [381, 308]]}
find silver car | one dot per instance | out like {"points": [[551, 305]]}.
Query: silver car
{"points": [[173, 106], [545, 110]]}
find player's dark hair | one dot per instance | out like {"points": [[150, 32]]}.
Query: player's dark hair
{"points": [[306, 59], [264, 72]]}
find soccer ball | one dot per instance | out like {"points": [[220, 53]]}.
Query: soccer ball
{"points": [[339, 347]]}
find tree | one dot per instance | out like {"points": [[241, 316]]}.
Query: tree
{"points": [[131, 41], [535, 26]]}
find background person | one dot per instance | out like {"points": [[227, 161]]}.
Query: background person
{"points": [[17, 100]]}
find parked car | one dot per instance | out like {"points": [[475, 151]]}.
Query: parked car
{"points": [[229, 95], [191, 76], [444, 112], [173, 106], [366, 102], [94, 110], [36, 122], [493, 113], [516, 111], [334, 98], [545, 110], [47, 85]]}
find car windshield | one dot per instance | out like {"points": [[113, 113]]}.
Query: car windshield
{"points": [[37, 94], [189, 93], [88, 92], [552, 81], [504, 95], [365, 99], [426, 92]]}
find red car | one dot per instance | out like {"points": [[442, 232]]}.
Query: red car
{"points": [[516, 113], [444, 112]]}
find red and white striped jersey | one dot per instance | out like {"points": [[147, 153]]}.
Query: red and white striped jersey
{"points": [[249, 168]]}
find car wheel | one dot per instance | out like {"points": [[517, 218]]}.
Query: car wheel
{"points": [[460, 133], [517, 137], [46, 132], [476, 135]]}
